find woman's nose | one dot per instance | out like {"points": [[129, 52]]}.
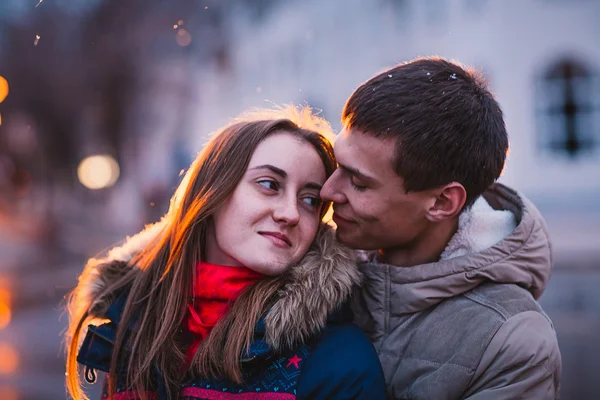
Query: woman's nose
{"points": [[287, 211]]}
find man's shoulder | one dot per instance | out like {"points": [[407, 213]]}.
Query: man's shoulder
{"points": [[474, 317], [484, 308], [502, 300], [443, 346], [523, 355]]}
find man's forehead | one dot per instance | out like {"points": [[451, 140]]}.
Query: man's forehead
{"points": [[364, 147]]}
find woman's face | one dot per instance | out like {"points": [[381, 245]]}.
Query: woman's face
{"points": [[272, 216]]}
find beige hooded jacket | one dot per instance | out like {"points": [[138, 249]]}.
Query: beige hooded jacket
{"points": [[469, 325]]}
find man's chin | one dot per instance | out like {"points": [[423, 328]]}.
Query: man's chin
{"points": [[346, 239], [355, 242]]}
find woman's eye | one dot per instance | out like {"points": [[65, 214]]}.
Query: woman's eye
{"points": [[269, 184], [314, 202]]}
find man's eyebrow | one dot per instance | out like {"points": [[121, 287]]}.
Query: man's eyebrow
{"points": [[360, 175], [272, 168]]}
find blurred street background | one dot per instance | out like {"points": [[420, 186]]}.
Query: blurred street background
{"points": [[104, 102]]}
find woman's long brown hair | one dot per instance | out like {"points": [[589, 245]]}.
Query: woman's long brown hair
{"points": [[161, 284]]}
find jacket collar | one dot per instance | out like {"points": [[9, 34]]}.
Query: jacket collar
{"points": [[522, 257], [314, 288]]}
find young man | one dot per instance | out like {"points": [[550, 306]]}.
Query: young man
{"points": [[449, 295]]}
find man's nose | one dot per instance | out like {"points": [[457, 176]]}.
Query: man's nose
{"points": [[331, 189]]}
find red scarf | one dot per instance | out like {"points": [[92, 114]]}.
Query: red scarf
{"points": [[215, 288]]}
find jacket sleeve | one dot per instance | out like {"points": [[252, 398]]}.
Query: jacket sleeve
{"points": [[522, 361], [342, 365]]}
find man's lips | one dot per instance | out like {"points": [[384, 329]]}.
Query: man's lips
{"points": [[337, 218], [279, 239]]}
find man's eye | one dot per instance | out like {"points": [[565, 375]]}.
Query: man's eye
{"points": [[357, 187], [269, 184]]}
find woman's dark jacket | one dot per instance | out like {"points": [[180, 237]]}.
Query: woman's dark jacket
{"points": [[304, 347]]}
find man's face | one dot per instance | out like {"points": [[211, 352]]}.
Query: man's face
{"points": [[371, 209]]}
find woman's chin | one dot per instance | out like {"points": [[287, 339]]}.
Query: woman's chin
{"points": [[273, 267]]}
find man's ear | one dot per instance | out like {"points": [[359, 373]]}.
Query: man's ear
{"points": [[449, 202]]}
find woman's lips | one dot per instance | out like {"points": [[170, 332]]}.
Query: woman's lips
{"points": [[278, 239]]}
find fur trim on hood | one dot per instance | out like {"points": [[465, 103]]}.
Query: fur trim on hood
{"points": [[479, 228], [315, 286]]}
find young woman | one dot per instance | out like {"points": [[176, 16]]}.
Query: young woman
{"points": [[239, 292]]}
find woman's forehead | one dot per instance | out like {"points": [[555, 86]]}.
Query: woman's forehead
{"points": [[291, 154]]}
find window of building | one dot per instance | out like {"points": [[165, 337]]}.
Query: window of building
{"points": [[569, 110]]}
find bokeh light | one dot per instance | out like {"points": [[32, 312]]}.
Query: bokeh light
{"points": [[5, 312], [3, 88], [183, 38], [8, 393], [98, 172], [9, 359]]}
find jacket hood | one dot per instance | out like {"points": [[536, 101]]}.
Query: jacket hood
{"points": [[314, 288], [502, 238]]}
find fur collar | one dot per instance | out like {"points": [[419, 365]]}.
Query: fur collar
{"points": [[479, 228], [315, 287]]}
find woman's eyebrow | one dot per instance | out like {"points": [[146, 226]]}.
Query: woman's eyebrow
{"points": [[313, 185], [272, 168], [283, 174]]}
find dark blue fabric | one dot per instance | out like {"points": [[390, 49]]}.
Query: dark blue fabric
{"points": [[116, 308], [96, 349], [342, 365]]}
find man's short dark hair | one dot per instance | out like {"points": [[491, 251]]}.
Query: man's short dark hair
{"points": [[447, 124]]}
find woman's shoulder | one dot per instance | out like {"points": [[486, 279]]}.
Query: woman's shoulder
{"points": [[348, 344], [342, 364], [344, 339]]}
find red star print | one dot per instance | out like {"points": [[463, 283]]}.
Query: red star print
{"points": [[294, 360]]}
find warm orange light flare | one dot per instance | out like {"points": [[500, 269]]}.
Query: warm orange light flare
{"points": [[506, 161], [5, 313], [8, 393], [3, 88], [328, 217], [9, 359]]}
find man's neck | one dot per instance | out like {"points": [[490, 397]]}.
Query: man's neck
{"points": [[427, 248]]}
